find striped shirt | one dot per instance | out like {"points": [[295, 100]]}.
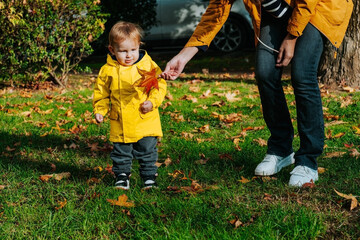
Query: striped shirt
{"points": [[277, 8]]}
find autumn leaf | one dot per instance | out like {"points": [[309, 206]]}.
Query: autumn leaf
{"points": [[310, 184], [334, 154], [267, 197], [2, 187], [167, 162], [321, 170], [194, 89], [261, 142], [236, 222], [244, 180], [339, 135], [206, 94], [122, 201], [354, 153], [58, 176], [231, 97], [354, 201], [204, 129], [109, 169], [357, 130], [148, 80], [61, 204], [336, 122], [69, 113], [93, 146]]}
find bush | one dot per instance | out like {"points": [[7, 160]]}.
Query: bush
{"points": [[46, 38], [141, 12]]}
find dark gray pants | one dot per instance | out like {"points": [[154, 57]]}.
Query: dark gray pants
{"points": [[144, 151], [304, 66]]}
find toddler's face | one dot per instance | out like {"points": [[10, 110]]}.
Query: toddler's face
{"points": [[126, 52]]}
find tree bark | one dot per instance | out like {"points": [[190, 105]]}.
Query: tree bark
{"points": [[344, 70]]}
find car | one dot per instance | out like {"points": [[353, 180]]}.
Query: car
{"points": [[177, 19]]}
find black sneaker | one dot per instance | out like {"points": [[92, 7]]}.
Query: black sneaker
{"points": [[123, 181], [149, 182]]}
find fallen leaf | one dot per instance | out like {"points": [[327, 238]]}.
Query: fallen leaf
{"points": [[2, 187], [204, 129], [354, 201], [339, 135], [61, 204], [334, 154], [261, 142], [310, 184], [60, 176], [357, 130], [236, 222], [122, 201], [231, 97], [267, 197], [354, 153], [244, 180], [332, 123], [321, 170], [69, 113], [93, 180], [45, 178]]}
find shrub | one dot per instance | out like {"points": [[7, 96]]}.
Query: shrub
{"points": [[141, 12], [47, 38]]}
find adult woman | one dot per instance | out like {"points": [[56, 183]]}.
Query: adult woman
{"points": [[297, 36]]}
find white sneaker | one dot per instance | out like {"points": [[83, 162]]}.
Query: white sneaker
{"points": [[272, 164], [301, 175]]}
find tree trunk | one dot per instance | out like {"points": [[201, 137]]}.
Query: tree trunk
{"points": [[344, 70]]}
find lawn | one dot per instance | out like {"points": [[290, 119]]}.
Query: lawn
{"points": [[56, 180]]}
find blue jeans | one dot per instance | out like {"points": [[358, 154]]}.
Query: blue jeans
{"points": [[304, 67], [144, 151]]}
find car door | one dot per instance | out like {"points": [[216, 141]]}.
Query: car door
{"points": [[179, 18]]}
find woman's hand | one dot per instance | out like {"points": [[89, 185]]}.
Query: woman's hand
{"points": [[286, 51], [176, 65], [99, 118], [146, 107]]}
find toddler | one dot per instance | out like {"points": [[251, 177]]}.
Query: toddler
{"points": [[127, 87]]}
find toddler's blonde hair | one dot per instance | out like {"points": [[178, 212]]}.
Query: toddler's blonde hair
{"points": [[124, 30]]}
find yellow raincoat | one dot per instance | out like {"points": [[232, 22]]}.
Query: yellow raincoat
{"points": [[115, 90], [330, 17]]}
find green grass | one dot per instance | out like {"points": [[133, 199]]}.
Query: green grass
{"points": [[263, 209]]}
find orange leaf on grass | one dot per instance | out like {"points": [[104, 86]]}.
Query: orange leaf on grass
{"points": [[354, 201], [61, 204], [121, 201], [357, 130], [244, 180], [148, 80], [58, 176]]}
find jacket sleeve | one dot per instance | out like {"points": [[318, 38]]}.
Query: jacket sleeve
{"points": [[301, 15], [211, 22], [101, 101], [156, 97]]}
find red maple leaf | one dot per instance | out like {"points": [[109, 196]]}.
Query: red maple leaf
{"points": [[148, 80]]}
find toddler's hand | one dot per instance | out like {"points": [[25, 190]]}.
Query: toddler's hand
{"points": [[99, 118], [146, 107]]}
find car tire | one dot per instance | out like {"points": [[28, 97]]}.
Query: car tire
{"points": [[232, 36]]}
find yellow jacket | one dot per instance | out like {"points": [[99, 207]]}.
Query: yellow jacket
{"points": [[330, 17], [115, 87]]}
